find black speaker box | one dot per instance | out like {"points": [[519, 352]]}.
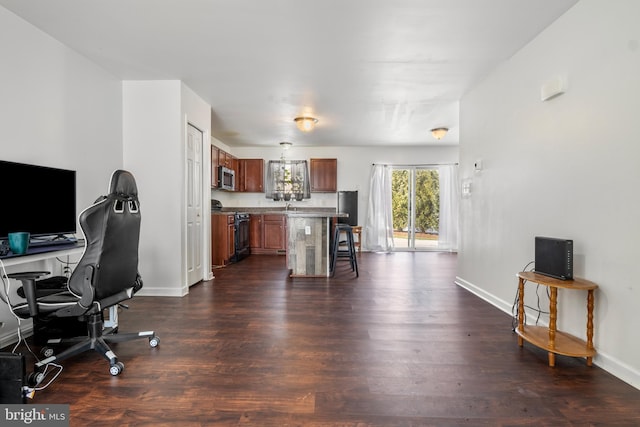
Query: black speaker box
{"points": [[12, 378], [554, 257]]}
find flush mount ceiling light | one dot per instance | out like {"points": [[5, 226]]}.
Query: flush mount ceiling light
{"points": [[285, 145], [439, 133], [305, 123]]}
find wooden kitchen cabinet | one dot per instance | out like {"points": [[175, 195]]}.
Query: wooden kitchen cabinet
{"points": [[214, 166], [224, 159], [274, 233], [222, 238], [227, 160], [267, 234], [233, 165], [323, 174], [251, 175], [255, 233]]}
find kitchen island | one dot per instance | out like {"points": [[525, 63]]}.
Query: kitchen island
{"points": [[308, 242]]}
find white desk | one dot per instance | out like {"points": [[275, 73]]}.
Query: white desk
{"points": [[43, 253]]}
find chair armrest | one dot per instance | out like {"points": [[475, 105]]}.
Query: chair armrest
{"points": [[28, 279]]}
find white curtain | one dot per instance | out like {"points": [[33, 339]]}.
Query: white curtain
{"points": [[449, 198], [378, 229]]}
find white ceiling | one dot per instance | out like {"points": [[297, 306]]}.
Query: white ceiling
{"points": [[374, 72]]}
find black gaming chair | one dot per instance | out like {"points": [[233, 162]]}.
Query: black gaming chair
{"points": [[106, 275]]}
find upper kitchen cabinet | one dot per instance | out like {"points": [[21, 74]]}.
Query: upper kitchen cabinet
{"points": [[219, 158], [251, 175], [227, 160], [324, 175], [214, 166]]}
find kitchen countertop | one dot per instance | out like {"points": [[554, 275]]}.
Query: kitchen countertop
{"points": [[292, 212], [311, 214]]}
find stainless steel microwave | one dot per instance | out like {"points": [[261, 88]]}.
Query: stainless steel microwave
{"points": [[226, 178]]}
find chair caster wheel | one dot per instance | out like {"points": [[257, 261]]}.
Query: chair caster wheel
{"points": [[35, 378], [154, 341], [46, 352], [116, 369]]}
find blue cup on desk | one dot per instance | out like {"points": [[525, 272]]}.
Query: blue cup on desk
{"points": [[19, 242]]}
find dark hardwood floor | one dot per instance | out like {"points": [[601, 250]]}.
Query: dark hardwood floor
{"points": [[401, 345]]}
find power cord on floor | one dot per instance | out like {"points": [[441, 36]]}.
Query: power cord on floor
{"points": [[27, 390], [31, 391]]}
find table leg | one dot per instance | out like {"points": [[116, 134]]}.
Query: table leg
{"points": [[553, 316], [520, 310], [590, 304]]}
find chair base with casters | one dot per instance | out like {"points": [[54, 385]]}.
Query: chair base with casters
{"points": [[96, 339], [337, 252]]}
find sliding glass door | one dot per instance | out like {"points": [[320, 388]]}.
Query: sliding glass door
{"points": [[415, 207]]}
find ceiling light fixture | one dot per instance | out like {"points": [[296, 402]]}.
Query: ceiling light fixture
{"points": [[439, 133], [285, 145], [305, 123]]}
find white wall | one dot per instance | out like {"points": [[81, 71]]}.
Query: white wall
{"points": [[567, 167], [155, 121], [56, 109], [354, 171], [151, 131]]}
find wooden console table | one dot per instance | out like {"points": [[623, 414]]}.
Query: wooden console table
{"points": [[549, 338]]}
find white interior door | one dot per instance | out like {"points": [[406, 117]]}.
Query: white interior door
{"points": [[194, 205]]}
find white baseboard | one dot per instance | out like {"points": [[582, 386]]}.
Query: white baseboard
{"points": [[148, 291], [490, 298]]}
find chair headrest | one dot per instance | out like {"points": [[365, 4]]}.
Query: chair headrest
{"points": [[123, 184]]}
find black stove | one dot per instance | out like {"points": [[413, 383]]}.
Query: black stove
{"points": [[241, 236]]}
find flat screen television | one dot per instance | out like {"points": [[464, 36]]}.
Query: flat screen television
{"points": [[37, 199]]}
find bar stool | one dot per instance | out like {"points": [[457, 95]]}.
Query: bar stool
{"points": [[349, 252], [357, 231]]}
